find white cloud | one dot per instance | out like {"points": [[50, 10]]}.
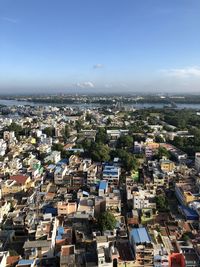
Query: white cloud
{"points": [[85, 85], [186, 72], [98, 66], [10, 20], [108, 85]]}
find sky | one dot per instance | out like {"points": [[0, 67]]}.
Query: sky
{"points": [[99, 46]]}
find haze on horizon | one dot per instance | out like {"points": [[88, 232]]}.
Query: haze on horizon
{"points": [[99, 46]]}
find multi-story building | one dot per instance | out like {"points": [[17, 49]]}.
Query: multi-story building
{"points": [[143, 247], [92, 174], [4, 209], [143, 199], [186, 192], [66, 208], [103, 188], [113, 202], [111, 174], [166, 165], [8, 136], [59, 174]]}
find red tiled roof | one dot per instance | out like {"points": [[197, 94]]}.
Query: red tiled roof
{"points": [[20, 179], [12, 259]]}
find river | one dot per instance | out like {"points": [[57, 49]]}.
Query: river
{"points": [[10, 103]]}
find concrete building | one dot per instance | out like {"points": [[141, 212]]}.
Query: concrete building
{"points": [[103, 188], [66, 208], [111, 174], [197, 161], [142, 245]]}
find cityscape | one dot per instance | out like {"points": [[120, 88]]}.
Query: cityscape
{"points": [[102, 186], [99, 133]]}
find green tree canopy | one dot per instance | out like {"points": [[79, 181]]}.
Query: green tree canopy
{"points": [[109, 121], [161, 203], [125, 141], [100, 152], [57, 147], [159, 139], [101, 136], [89, 117], [78, 125], [15, 128], [162, 152], [66, 132], [128, 160], [49, 131], [107, 221]]}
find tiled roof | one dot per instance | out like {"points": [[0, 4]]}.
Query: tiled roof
{"points": [[12, 259], [20, 179]]}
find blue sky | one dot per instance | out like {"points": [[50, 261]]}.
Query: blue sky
{"points": [[99, 45]]}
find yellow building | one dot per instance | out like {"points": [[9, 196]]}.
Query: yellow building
{"points": [[167, 165], [10, 187], [15, 184], [189, 197]]}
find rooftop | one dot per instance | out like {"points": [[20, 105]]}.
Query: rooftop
{"points": [[140, 235]]}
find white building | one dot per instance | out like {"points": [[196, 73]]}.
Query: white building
{"points": [[54, 157], [142, 199], [111, 174], [160, 256], [4, 209], [3, 147], [8, 135]]}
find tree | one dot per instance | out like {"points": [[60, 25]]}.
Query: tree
{"points": [[85, 144], [57, 147], [159, 139], [101, 136], [161, 203], [15, 128], [89, 117], [128, 160], [107, 221], [66, 132], [125, 141], [162, 152], [109, 121], [78, 125], [100, 152], [49, 131]]}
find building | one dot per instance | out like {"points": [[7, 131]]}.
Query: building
{"points": [[197, 161], [38, 249], [143, 199], [67, 256], [8, 136], [66, 208], [186, 192], [166, 165], [59, 174], [115, 134], [111, 174], [142, 245], [176, 259], [54, 157], [15, 184], [161, 257], [4, 209], [113, 202], [103, 188], [138, 147]]}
